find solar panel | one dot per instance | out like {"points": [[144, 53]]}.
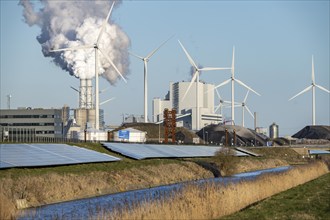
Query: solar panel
{"points": [[319, 152], [31, 155], [247, 151], [143, 151]]}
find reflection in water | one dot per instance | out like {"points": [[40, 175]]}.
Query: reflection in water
{"points": [[86, 208]]}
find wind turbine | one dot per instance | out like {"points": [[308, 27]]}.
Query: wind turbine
{"points": [[244, 106], [233, 80], [312, 86], [97, 49], [145, 61], [195, 77], [222, 103]]}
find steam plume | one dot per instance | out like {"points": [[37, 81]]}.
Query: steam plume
{"points": [[66, 24]]}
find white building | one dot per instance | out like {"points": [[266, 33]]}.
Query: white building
{"points": [[187, 109], [130, 135], [93, 135]]}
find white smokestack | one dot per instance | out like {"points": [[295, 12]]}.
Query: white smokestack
{"points": [[71, 23], [82, 94], [89, 94]]}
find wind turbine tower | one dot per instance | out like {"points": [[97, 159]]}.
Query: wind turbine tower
{"points": [[145, 61], [312, 86]]}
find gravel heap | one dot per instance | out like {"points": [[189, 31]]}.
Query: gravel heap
{"points": [[216, 134], [314, 132]]}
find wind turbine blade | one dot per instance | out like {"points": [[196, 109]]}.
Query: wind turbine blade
{"points": [[73, 48], [218, 94], [305, 90], [191, 82], [247, 93], [103, 90], [228, 102], [108, 100], [313, 74], [324, 89], [222, 84], [137, 56], [214, 68], [74, 89], [154, 51], [249, 88], [113, 65], [247, 108], [104, 23], [233, 62], [189, 57], [217, 107]]}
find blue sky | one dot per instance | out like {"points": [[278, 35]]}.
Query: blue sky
{"points": [[274, 43]]}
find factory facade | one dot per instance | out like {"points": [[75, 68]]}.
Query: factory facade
{"points": [[187, 108], [30, 124]]}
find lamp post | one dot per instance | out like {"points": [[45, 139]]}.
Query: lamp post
{"points": [[158, 132]]}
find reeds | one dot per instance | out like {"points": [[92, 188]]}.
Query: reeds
{"points": [[55, 187], [215, 200]]}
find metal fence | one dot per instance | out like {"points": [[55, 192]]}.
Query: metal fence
{"points": [[29, 135]]}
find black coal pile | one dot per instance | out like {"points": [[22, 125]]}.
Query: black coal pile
{"points": [[314, 132], [236, 135]]}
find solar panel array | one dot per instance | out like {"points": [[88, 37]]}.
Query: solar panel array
{"points": [[144, 151], [32, 155]]}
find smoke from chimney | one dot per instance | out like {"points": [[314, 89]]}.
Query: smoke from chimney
{"points": [[73, 23]]}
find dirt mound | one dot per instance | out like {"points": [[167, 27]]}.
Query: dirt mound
{"points": [[314, 132], [216, 134]]}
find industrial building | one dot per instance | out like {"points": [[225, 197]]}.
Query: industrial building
{"points": [[186, 108], [130, 135], [28, 123]]}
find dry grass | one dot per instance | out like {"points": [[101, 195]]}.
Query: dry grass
{"points": [[215, 200], [7, 208], [54, 187]]}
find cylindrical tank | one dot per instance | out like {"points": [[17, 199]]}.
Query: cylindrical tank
{"points": [[273, 131]]}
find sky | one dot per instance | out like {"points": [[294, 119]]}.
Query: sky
{"points": [[274, 43]]}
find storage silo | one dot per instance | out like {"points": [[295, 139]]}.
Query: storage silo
{"points": [[273, 131]]}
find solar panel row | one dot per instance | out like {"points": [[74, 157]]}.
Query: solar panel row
{"points": [[31, 155], [143, 151]]}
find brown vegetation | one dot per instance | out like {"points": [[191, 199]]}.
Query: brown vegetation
{"points": [[215, 200], [32, 187], [54, 187]]}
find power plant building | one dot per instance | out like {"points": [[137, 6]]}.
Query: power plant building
{"points": [[23, 123], [187, 108]]}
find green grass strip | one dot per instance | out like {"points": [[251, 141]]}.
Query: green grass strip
{"points": [[308, 201]]}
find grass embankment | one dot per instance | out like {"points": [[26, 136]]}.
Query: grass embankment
{"points": [[308, 201], [38, 186], [214, 200]]}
